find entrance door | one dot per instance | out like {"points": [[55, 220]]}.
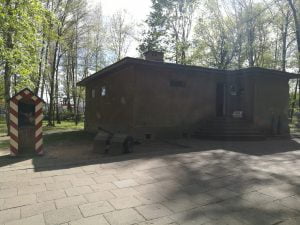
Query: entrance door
{"points": [[220, 99]]}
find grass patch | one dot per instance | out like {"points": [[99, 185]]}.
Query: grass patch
{"points": [[4, 143], [65, 131], [3, 130], [64, 125], [69, 136]]}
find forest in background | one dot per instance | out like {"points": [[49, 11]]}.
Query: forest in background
{"points": [[50, 45]]}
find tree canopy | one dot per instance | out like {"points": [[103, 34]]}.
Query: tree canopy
{"points": [[49, 45]]}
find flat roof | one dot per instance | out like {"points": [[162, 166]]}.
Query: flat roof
{"points": [[127, 61]]}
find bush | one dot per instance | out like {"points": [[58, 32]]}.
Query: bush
{"points": [[70, 116], [67, 116]]}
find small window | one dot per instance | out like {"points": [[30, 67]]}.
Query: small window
{"points": [[103, 91], [93, 93], [177, 83]]}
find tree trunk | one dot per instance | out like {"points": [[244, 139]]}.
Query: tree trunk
{"points": [[37, 86], [8, 68], [250, 47], [44, 71], [52, 90], [7, 83], [284, 42], [69, 107], [294, 100], [297, 26], [56, 89]]}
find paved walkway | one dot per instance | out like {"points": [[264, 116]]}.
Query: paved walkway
{"points": [[217, 183]]}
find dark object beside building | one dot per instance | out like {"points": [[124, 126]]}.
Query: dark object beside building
{"points": [[106, 142]]}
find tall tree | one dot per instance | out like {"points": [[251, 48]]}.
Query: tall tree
{"points": [[170, 22], [121, 34], [295, 12], [236, 34], [20, 23], [97, 38], [74, 47], [217, 40]]}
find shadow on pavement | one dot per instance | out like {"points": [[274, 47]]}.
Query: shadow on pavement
{"points": [[201, 182]]}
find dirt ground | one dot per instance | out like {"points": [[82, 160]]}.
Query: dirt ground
{"points": [[76, 146]]}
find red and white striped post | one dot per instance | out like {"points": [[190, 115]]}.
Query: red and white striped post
{"points": [[13, 116]]}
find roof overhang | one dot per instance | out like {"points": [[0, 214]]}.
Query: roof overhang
{"points": [[187, 68], [118, 65]]}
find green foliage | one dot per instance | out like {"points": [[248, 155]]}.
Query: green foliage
{"points": [[155, 35], [169, 26], [241, 34], [21, 22]]}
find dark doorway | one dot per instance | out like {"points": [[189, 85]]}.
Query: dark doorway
{"points": [[220, 99], [26, 113], [26, 126]]}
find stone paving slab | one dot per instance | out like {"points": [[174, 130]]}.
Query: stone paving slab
{"points": [[291, 221], [33, 220], [41, 180], [125, 183], [180, 205], [150, 197], [31, 189], [8, 192], [38, 208], [58, 185], [99, 196], [124, 217], [291, 202], [82, 181], [278, 191], [105, 179], [159, 221], [78, 190], [70, 201], [9, 215], [103, 187], [153, 211], [125, 202], [50, 195], [95, 208], [94, 220], [19, 201], [1, 204], [190, 217], [124, 192], [258, 198], [62, 215]]}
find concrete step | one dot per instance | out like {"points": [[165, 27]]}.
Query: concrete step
{"points": [[241, 129], [228, 129], [228, 132], [228, 123], [231, 137]]}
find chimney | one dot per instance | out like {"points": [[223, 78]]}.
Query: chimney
{"points": [[154, 56]]}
